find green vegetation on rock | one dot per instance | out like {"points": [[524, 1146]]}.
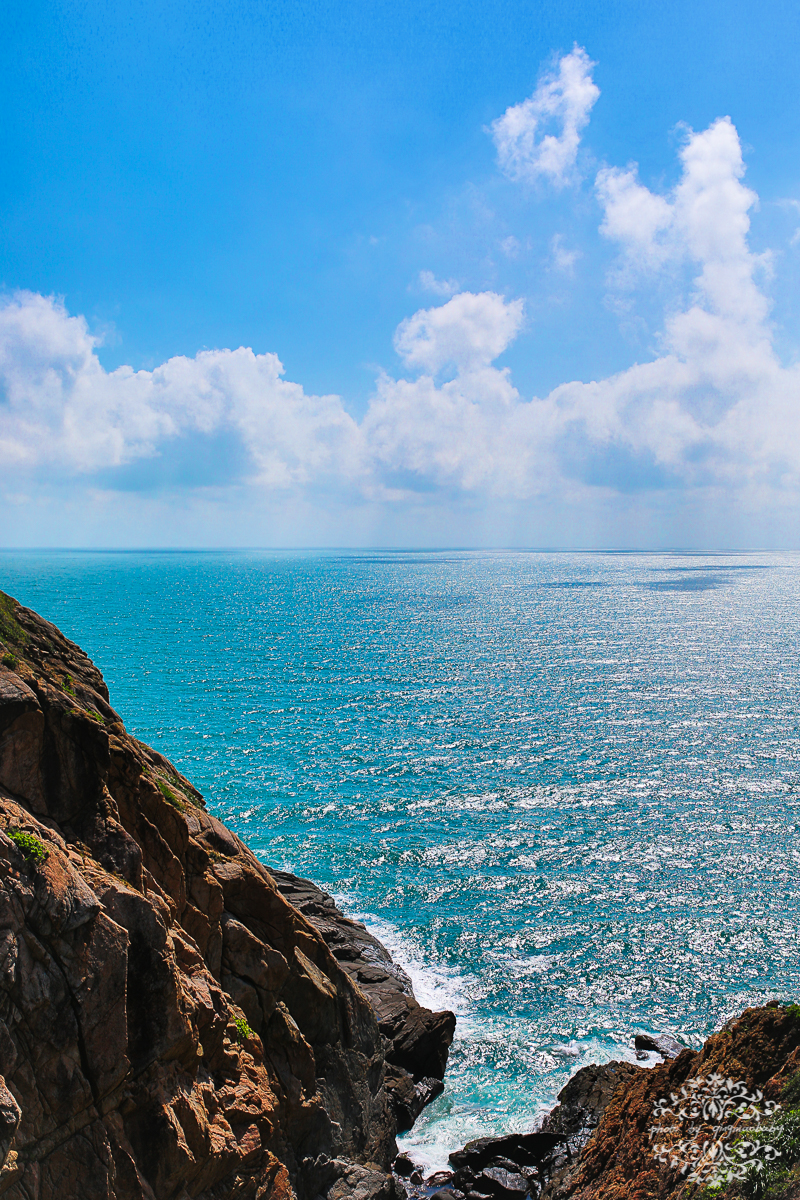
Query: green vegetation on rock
{"points": [[243, 1030], [87, 712], [10, 628], [10, 660], [170, 796], [30, 845], [778, 1178]]}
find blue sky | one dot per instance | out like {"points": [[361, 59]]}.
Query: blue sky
{"points": [[510, 347]]}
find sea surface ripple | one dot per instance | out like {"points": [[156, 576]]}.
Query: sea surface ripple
{"points": [[564, 788]]}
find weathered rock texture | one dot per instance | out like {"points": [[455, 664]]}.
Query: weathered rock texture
{"points": [[598, 1143], [760, 1048], [419, 1039], [170, 1026]]}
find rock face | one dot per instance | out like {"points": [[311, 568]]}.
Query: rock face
{"points": [[170, 1025], [761, 1048], [581, 1106], [420, 1039], [598, 1143]]}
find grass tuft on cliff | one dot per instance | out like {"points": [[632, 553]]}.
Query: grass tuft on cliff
{"points": [[10, 628], [170, 796], [243, 1030], [88, 712], [29, 844]]}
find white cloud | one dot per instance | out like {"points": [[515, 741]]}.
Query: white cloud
{"points": [[469, 331], [540, 136], [704, 221], [635, 217], [563, 259], [717, 406], [60, 408], [714, 413], [439, 287], [449, 435]]}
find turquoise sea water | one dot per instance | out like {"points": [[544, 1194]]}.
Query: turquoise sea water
{"points": [[564, 788]]}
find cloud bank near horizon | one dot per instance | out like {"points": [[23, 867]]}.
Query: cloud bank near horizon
{"points": [[714, 411]]}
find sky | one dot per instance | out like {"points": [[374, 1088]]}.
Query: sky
{"points": [[430, 274]]}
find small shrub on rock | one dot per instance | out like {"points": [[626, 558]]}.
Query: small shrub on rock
{"points": [[770, 1182], [243, 1030], [33, 849]]}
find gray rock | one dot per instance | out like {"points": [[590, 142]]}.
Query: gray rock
{"points": [[663, 1044], [408, 1098], [365, 1183], [581, 1106], [500, 1182], [420, 1039]]}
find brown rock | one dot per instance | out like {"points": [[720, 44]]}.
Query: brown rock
{"points": [[9, 1120], [761, 1048], [170, 1026]]}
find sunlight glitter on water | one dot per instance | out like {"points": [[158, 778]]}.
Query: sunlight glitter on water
{"points": [[565, 787]]}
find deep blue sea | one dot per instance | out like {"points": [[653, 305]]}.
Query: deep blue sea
{"points": [[564, 788]]}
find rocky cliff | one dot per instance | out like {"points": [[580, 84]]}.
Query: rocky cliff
{"points": [[759, 1050], [721, 1122], [175, 1019]]}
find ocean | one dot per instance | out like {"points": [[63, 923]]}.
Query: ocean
{"points": [[564, 789]]}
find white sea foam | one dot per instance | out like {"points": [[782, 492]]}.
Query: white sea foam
{"points": [[452, 1120], [450, 1123], [436, 985]]}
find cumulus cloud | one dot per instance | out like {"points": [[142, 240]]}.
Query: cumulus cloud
{"points": [[449, 435], [539, 138], [469, 331], [60, 408], [705, 221], [715, 409], [717, 406]]}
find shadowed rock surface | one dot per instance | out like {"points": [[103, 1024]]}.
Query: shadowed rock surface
{"points": [[420, 1039], [170, 1026]]}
